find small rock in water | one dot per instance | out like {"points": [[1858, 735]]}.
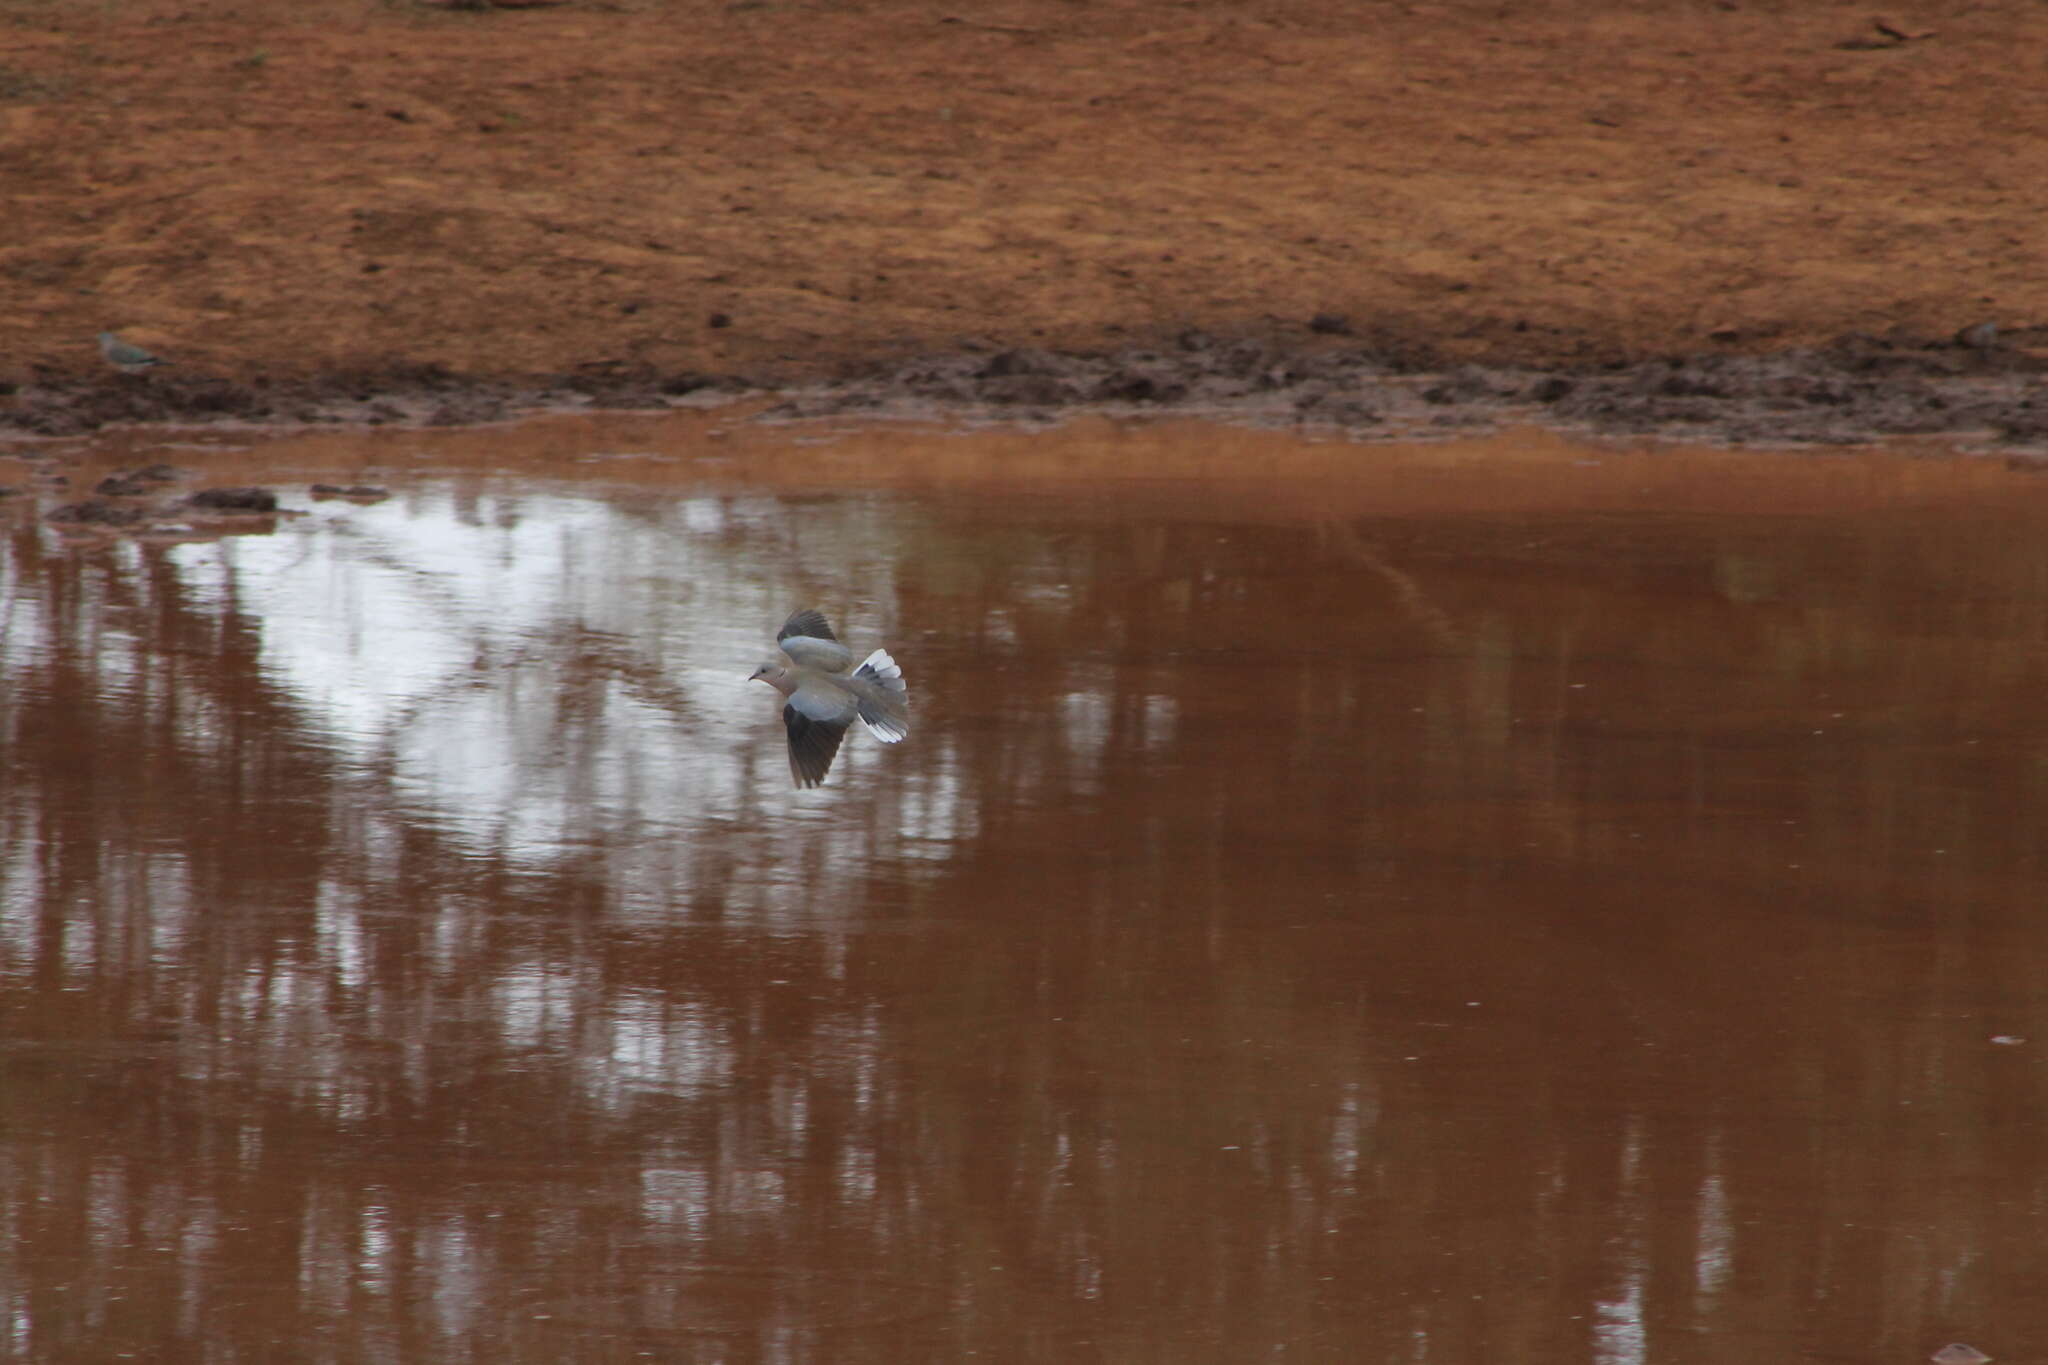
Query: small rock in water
{"points": [[234, 499], [1959, 1353], [131, 482], [95, 512]]}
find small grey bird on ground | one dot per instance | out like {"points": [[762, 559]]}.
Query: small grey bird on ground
{"points": [[824, 693], [126, 357]]}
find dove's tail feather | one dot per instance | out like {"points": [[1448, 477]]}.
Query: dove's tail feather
{"points": [[885, 701]]}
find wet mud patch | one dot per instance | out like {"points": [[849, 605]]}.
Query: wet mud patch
{"points": [[417, 395], [1194, 374], [1857, 389]]}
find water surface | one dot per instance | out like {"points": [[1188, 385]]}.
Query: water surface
{"points": [[1499, 901]]}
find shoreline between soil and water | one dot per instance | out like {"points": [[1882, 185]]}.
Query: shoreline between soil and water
{"points": [[1855, 390]]}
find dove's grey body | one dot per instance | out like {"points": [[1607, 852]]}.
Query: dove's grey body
{"points": [[824, 694], [127, 357]]}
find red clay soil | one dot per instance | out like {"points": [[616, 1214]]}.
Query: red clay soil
{"points": [[277, 191]]}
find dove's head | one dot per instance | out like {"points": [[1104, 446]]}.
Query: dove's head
{"points": [[776, 675]]}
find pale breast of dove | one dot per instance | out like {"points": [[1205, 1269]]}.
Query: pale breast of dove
{"points": [[824, 694]]}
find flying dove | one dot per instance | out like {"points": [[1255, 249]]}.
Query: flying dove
{"points": [[824, 692], [127, 357]]}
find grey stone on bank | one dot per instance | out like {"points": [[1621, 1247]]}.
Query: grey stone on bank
{"points": [[1978, 336], [824, 694]]}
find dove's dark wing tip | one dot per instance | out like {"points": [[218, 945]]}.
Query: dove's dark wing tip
{"points": [[809, 622], [812, 745]]}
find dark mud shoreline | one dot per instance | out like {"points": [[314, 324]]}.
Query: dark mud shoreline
{"points": [[1857, 389]]}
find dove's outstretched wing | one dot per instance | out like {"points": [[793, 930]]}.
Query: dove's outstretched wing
{"points": [[807, 622], [816, 716], [808, 640]]}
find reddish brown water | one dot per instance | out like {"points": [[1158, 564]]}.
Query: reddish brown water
{"points": [[1497, 902]]}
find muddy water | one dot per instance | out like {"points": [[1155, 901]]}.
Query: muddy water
{"points": [[1472, 902]]}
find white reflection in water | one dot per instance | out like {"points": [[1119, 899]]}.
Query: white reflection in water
{"points": [[1620, 1336], [676, 1198], [549, 677], [855, 1176], [193, 1228], [1347, 1136], [937, 813], [999, 628], [167, 891], [534, 1004], [656, 1044], [153, 892], [1162, 718], [374, 1250], [790, 1103], [339, 926], [1715, 1259], [446, 1255], [1084, 717], [705, 516], [81, 947], [106, 1205], [756, 1191], [21, 911]]}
